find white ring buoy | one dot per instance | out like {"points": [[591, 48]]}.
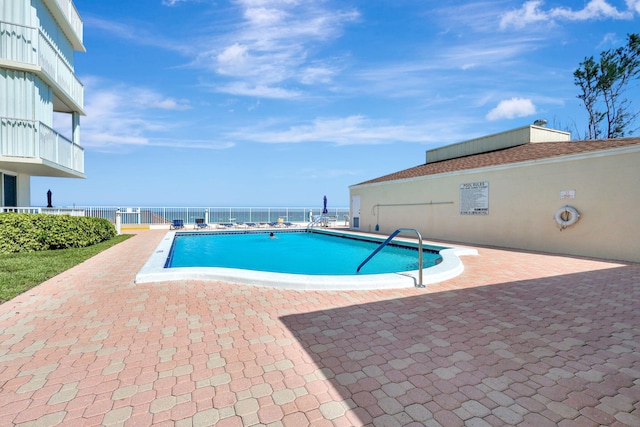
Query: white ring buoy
{"points": [[566, 216]]}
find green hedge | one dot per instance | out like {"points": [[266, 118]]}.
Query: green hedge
{"points": [[21, 232]]}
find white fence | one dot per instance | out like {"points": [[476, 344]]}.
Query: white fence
{"points": [[48, 211], [166, 215]]}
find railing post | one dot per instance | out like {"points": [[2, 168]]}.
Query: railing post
{"points": [[118, 221]]}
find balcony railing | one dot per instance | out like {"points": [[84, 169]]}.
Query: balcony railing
{"points": [[55, 65], [70, 13], [29, 45], [31, 139]]}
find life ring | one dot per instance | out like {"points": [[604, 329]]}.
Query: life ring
{"points": [[566, 216]]}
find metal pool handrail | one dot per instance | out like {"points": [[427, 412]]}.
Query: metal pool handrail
{"points": [[389, 239], [315, 221]]}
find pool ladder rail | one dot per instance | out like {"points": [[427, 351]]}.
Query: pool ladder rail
{"points": [[389, 239]]}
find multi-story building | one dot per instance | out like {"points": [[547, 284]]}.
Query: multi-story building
{"points": [[38, 39]]}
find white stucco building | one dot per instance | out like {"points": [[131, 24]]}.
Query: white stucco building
{"points": [[38, 40]]}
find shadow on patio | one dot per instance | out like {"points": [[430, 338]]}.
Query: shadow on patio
{"points": [[562, 350]]}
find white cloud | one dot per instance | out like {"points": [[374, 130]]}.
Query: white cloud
{"points": [[261, 91], [532, 12], [205, 144], [138, 34], [269, 48], [112, 120], [119, 115], [511, 108], [233, 60], [146, 98], [116, 28], [595, 9], [608, 38], [529, 13], [351, 130], [320, 74], [272, 46], [261, 16], [173, 2]]}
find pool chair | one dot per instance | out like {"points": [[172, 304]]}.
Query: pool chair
{"points": [[200, 224], [251, 224], [177, 224], [241, 225], [289, 224], [226, 225]]}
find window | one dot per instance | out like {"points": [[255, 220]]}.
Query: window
{"points": [[9, 190]]}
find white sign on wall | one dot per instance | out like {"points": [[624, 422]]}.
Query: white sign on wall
{"points": [[567, 194], [474, 198]]}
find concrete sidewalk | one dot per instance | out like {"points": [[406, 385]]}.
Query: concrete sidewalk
{"points": [[518, 339]]}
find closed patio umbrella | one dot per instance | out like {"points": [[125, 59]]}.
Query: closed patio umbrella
{"points": [[324, 210]]}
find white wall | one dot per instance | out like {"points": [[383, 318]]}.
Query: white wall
{"points": [[19, 12], [25, 97], [522, 203], [24, 190], [53, 33]]}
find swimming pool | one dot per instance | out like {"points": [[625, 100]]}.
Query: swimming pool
{"points": [[297, 259], [294, 253]]}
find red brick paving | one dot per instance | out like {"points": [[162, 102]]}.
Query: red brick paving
{"points": [[518, 339]]}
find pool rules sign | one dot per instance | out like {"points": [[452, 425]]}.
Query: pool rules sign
{"points": [[474, 198]]}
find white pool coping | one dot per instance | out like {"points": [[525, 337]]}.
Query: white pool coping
{"points": [[154, 271]]}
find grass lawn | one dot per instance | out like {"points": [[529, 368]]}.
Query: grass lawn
{"points": [[20, 272]]}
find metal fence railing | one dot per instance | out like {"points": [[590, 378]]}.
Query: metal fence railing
{"points": [[48, 211], [166, 215]]}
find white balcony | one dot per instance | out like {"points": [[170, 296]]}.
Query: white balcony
{"points": [[35, 149], [27, 49], [67, 16]]}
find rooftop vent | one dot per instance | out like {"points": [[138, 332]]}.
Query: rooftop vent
{"points": [[540, 122]]}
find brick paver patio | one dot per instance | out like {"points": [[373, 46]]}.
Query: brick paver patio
{"points": [[518, 339]]}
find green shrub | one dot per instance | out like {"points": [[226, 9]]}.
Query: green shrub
{"points": [[36, 232]]}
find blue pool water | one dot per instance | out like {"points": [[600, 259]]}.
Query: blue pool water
{"points": [[293, 252]]}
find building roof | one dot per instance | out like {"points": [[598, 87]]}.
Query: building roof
{"points": [[520, 153]]}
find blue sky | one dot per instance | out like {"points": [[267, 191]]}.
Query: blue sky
{"points": [[280, 102]]}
